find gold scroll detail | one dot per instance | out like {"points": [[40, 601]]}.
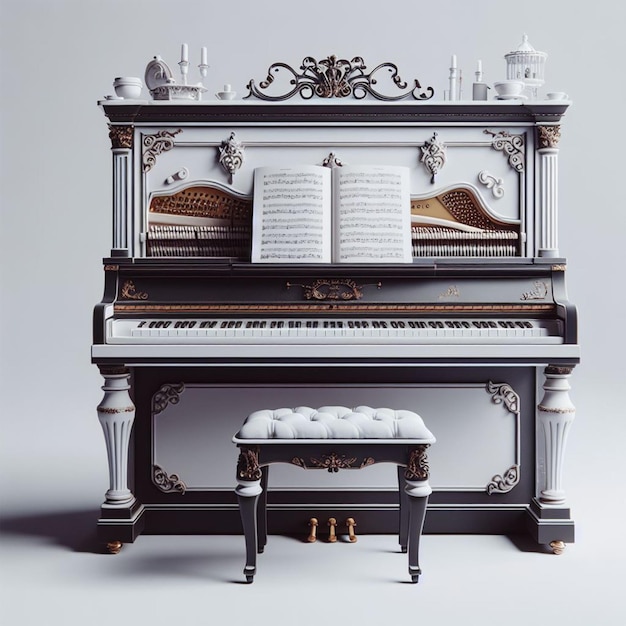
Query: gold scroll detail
{"points": [[417, 467], [561, 267], [333, 462], [111, 268], [129, 292], [200, 201], [548, 136], [248, 464], [121, 137], [332, 289]]}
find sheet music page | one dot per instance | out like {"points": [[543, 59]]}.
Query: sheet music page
{"points": [[372, 214], [291, 220]]}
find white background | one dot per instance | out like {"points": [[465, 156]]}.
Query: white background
{"points": [[59, 57]]}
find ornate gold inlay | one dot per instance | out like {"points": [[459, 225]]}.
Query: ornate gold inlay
{"points": [[417, 466], [111, 268], [248, 464], [332, 289], [548, 136], [330, 309], [129, 292], [121, 137], [333, 462], [556, 410], [561, 267], [115, 410]]}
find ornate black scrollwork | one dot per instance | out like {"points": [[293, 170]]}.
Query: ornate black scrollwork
{"points": [[336, 78], [167, 394]]}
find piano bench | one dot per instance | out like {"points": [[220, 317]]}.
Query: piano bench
{"points": [[333, 438]]}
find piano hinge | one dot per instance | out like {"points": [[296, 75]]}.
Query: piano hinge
{"points": [[332, 289]]}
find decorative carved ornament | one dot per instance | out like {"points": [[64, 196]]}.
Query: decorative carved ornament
{"points": [[548, 136], [333, 462], [417, 467], [513, 147], [167, 483], [155, 144], [503, 393], [491, 182], [433, 156], [129, 292], [560, 267], [113, 370], [539, 291], [111, 268], [248, 464], [332, 289], [167, 394], [336, 78], [231, 154], [504, 483], [121, 137], [558, 370], [451, 292], [115, 410]]}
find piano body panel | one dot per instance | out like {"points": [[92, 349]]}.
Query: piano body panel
{"points": [[454, 385]]}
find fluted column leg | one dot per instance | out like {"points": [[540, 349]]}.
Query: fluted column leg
{"points": [[556, 413], [548, 139], [116, 413]]}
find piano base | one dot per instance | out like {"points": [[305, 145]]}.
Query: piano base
{"points": [[485, 419], [440, 519]]}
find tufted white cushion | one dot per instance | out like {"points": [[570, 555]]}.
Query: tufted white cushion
{"points": [[334, 422]]}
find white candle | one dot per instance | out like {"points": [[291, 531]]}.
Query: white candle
{"points": [[184, 53], [203, 56], [479, 66], [453, 61], [226, 87]]}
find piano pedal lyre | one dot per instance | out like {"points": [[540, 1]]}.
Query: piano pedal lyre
{"points": [[312, 538], [350, 523]]}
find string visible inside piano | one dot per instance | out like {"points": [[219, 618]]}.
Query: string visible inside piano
{"points": [[207, 221]]}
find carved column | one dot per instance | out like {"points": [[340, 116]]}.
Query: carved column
{"points": [[116, 413], [547, 140], [556, 413], [121, 147]]}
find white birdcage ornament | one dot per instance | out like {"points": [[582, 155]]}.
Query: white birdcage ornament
{"points": [[526, 64]]}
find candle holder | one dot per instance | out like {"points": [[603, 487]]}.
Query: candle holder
{"points": [[162, 85]]}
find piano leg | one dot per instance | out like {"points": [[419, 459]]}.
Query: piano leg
{"points": [[116, 413], [248, 490], [556, 413], [262, 511]]}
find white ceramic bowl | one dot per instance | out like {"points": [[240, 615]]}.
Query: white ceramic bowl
{"points": [[127, 87], [509, 88], [226, 95]]}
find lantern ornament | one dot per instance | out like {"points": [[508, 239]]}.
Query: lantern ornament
{"points": [[526, 64]]}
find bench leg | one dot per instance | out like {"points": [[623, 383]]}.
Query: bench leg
{"points": [[248, 490], [404, 511], [417, 492], [262, 511]]}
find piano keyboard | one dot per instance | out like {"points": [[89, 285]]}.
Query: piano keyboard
{"points": [[337, 331]]}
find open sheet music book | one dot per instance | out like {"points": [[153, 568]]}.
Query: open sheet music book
{"points": [[347, 214]]}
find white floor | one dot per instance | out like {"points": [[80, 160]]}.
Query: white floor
{"points": [[53, 574]]}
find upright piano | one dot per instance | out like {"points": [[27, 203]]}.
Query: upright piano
{"points": [[476, 334]]}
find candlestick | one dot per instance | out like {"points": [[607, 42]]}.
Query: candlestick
{"points": [[453, 79]]}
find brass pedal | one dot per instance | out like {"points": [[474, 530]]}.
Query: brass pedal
{"points": [[332, 535], [350, 523], [312, 538]]}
